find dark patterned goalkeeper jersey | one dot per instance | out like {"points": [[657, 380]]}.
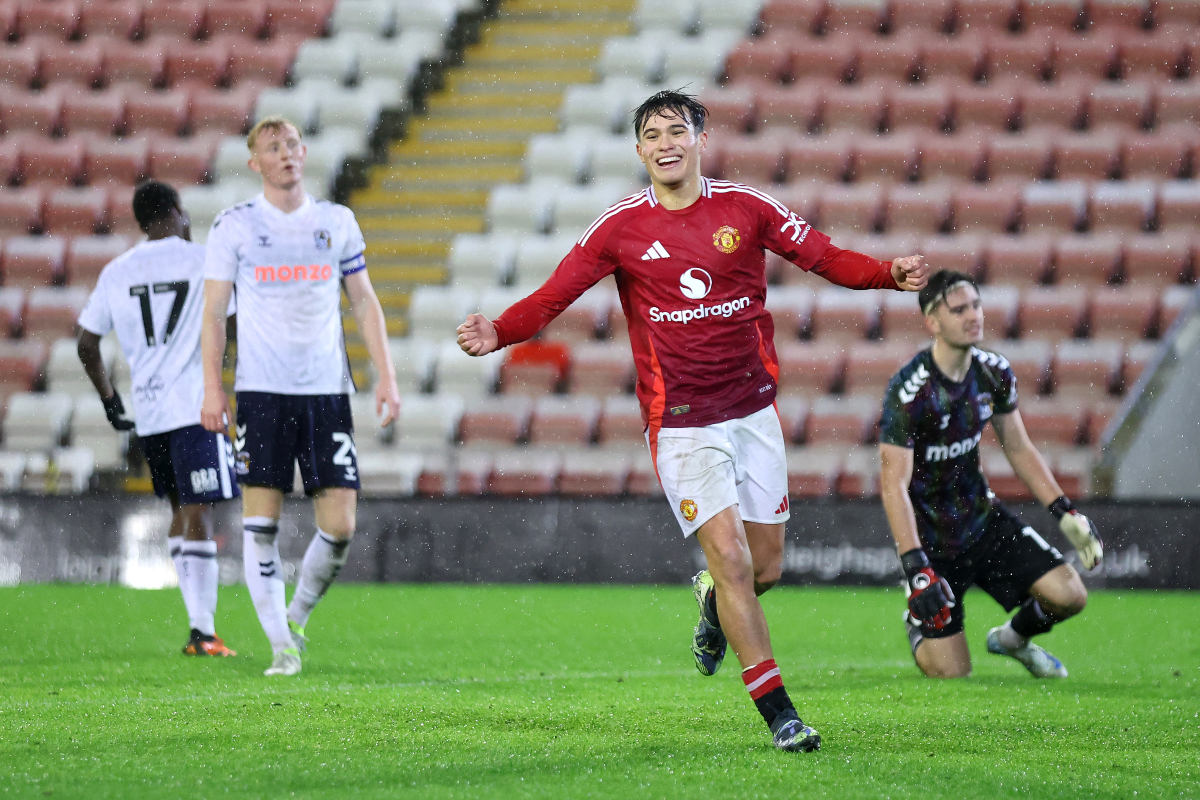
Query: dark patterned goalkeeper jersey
{"points": [[942, 422]]}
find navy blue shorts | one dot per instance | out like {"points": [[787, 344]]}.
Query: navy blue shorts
{"points": [[191, 464], [275, 431]]}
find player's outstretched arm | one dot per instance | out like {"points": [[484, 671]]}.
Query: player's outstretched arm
{"points": [[214, 411], [1031, 468], [373, 327], [911, 273], [477, 336]]}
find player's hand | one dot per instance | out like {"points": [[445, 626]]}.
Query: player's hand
{"points": [[387, 396], [477, 336], [911, 273], [214, 411], [929, 596], [114, 409], [1080, 531]]}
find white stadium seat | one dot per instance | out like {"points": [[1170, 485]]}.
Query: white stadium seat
{"points": [[596, 105], [369, 435], [577, 207], [736, 15], [90, 428], [389, 474], [334, 58], [700, 60], [616, 158], [538, 256], [428, 421], [232, 163], [357, 109], [37, 422], [493, 302], [464, 375], [298, 104], [435, 311], [387, 59], [636, 57], [414, 359], [481, 261], [64, 370], [12, 471], [377, 17], [679, 17], [564, 156], [426, 15], [519, 208]]}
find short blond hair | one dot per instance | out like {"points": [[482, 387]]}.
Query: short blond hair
{"points": [[274, 122]]}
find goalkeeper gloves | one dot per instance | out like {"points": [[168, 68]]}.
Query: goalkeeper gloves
{"points": [[929, 596], [114, 409], [1079, 530]]}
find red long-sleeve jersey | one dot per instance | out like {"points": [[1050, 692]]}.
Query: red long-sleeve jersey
{"points": [[692, 284]]}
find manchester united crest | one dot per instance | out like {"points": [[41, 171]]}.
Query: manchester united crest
{"points": [[688, 509], [727, 239]]}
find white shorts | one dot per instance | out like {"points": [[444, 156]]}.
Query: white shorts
{"points": [[741, 462]]}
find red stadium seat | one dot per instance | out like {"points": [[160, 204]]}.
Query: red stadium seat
{"points": [[8, 20], [116, 18], [304, 19], [643, 479], [870, 365], [859, 477], [793, 413], [472, 469], [825, 158], [801, 199], [985, 207], [21, 209], [984, 107], [1027, 156], [902, 321], [11, 148], [768, 59], [120, 211], [80, 64], [600, 369], [76, 210], [960, 253], [500, 420], [87, 255], [851, 17], [887, 247], [729, 108], [101, 112], [1161, 156], [31, 261], [854, 207], [753, 159], [918, 207], [919, 107], [266, 62], [1053, 421], [241, 17], [958, 157], [1053, 207], [1123, 206], [1157, 259], [1100, 412], [1126, 313], [791, 309], [224, 111], [1027, 56], [58, 20], [813, 471], [1126, 14], [844, 315], [182, 161], [121, 161], [176, 18], [56, 162], [1093, 56], [524, 473], [787, 17], [1073, 470], [954, 57], [1184, 12], [1018, 260], [843, 420], [1087, 368], [1089, 260], [1060, 14], [921, 15], [197, 63], [831, 58], [858, 107], [534, 368], [19, 63], [1179, 206], [1030, 362], [564, 420], [791, 108], [1054, 312], [139, 64], [810, 368], [21, 363], [621, 420], [12, 307], [985, 16], [38, 112], [1120, 106], [884, 158], [1002, 305], [1155, 54], [157, 112], [897, 58], [1055, 106], [594, 473]]}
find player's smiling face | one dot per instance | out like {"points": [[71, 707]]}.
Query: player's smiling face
{"points": [[958, 319], [279, 156], [670, 148]]}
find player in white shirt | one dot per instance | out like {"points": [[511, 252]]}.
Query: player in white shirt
{"points": [[152, 295], [288, 256]]}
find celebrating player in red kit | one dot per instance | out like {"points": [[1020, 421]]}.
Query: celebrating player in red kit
{"points": [[688, 257]]}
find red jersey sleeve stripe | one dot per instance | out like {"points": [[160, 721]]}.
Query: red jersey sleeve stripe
{"points": [[632, 201]]}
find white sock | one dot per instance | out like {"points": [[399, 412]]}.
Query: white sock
{"points": [[323, 561], [175, 547], [200, 591], [1010, 638], [264, 578]]}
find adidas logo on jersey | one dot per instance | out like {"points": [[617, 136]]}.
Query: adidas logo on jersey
{"points": [[656, 251], [908, 392]]}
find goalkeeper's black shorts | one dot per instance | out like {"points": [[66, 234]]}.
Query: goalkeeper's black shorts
{"points": [[1005, 561]]}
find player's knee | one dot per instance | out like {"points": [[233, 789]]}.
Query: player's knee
{"points": [[946, 671], [1073, 600], [765, 577]]}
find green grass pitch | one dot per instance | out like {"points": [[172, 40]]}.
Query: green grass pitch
{"points": [[580, 691]]}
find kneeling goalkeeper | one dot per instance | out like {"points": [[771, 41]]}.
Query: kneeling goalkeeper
{"points": [[950, 531]]}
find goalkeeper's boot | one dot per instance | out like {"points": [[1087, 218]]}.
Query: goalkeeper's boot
{"points": [[1040, 663], [287, 662], [298, 637], [792, 735], [708, 640], [203, 645]]}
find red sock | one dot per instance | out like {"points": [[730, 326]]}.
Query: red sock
{"points": [[766, 689]]}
